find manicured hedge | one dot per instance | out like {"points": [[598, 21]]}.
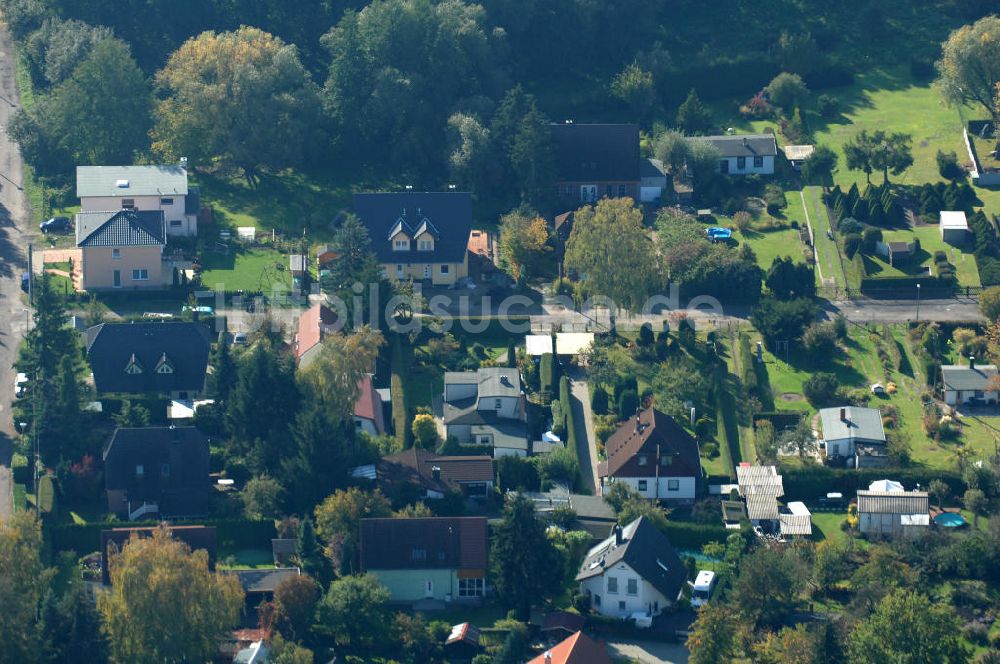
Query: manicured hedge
{"points": [[565, 397], [906, 285], [685, 535], [549, 374], [815, 482], [231, 534]]}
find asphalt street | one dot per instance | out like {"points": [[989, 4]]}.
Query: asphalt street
{"points": [[13, 261]]}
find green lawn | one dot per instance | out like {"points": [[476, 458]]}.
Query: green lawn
{"points": [[773, 244], [20, 498], [246, 559], [826, 526], [246, 269]]}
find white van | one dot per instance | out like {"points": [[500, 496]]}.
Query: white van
{"points": [[702, 589]]}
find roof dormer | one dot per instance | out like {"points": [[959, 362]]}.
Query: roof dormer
{"points": [[164, 366], [133, 368]]}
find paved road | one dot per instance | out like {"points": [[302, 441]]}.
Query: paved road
{"points": [[586, 441], [12, 262], [649, 652]]}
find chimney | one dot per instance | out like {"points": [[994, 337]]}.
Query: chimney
{"points": [[436, 473], [548, 657], [843, 414], [618, 535], [746, 143], [184, 163], [972, 362]]}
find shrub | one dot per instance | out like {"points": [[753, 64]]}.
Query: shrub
{"points": [[742, 220], [645, 337], [850, 226], [710, 449], [840, 326], [828, 106], [820, 388], [940, 257], [774, 197], [820, 339], [869, 239], [628, 401], [548, 375], [599, 401], [948, 165], [558, 418], [852, 243]]}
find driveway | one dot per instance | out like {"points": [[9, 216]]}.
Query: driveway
{"points": [[12, 262], [649, 652], [586, 441]]}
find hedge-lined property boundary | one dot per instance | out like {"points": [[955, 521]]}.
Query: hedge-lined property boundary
{"points": [[231, 534], [814, 482]]}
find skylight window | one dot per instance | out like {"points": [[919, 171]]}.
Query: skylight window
{"points": [[121, 184]]}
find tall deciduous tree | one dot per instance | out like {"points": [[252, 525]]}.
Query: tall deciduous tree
{"points": [[523, 561], [242, 98], [634, 86], [333, 378], [54, 50], [295, 601], [23, 584], [969, 68], [605, 238], [165, 605], [818, 167], [907, 627], [768, 585], [354, 611], [523, 240], [879, 151], [714, 635]]}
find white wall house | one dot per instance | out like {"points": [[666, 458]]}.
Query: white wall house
{"points": [[635, 570], [144, 188], [847, 428], [745, 154], [486, 407], [971, 384], [662, 488]]}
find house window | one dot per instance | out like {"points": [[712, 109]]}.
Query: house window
{"points": [[128, 203], [426, 245], [612, 585], [166, 201], [139, 470], [165, 469], [116, 253], [632, 587], [140, 275], [724, 166], [643, 459], [116, 278], [401, 245], [741, 163], [484, 440], [758, 162], [418, 554], [621, 606], [622, 190], [444, 269], [673, 485], [471, 587], [358, 424], [175, 223], [497, 404], [666, 460], [643, 484], [399, 271]]}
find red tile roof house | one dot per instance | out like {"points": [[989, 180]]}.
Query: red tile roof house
{"points": [[435, 559], [434, 475], [314, 325], [655, 457], [576, 649]]}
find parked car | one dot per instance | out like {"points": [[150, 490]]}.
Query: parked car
{"points": [[54, 224], [702, 587], [240, 339], [198, 310], [21, 385], [642, 620], [25, 281], [157, 315]]}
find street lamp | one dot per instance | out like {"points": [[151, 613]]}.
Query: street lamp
{"points": [[918, 303]]}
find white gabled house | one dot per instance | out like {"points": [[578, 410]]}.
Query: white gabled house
{"points": [[162, 188], [487, 407], [748, 154], [635, 570]]}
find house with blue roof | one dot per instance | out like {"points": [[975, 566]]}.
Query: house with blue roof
{"points": [[419, 236], [121, 249]]}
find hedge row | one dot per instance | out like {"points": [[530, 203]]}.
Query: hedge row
{"points": [[908, 284], [815, 482], [397, 383], [548, 374], [686, 535], [565, 397], [231, 534]]}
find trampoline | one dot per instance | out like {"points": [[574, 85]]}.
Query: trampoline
{"points": [[950, 520]]}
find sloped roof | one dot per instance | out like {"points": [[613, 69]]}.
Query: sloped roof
{"points": [[264, 580], [369, 403], [111, 347], [576, 649], [424, 543], [447, 213], [858, 423], [313, 322], [646, 550], [760, 486], [954, 220], [596, 152], [893, 502], [195, 537], [957, 377], [417, 465], [744, 145], [491, 382], [797, 520], [147, 180], [643, 433], [120, 228], [175, 468]]}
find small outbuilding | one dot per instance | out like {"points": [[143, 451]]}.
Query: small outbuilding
{"points": [[954, 227], [797, 154], [573, 343], [899, 252], [537, 345], [297, 265]]}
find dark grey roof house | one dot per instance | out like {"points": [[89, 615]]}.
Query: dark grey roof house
{"points": [[143, 358], [744, 145], [418, 229], [486, 407], [157, 470], [636, 569], [120, 228], [596, 160], [972, 384]]}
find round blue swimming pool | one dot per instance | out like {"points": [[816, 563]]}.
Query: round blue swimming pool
{"points": [[950, 520]]}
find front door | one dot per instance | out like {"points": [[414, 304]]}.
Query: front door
{"points": [[724, 166], [588, 193], [429, 588], [427, 272], [117, 278]]}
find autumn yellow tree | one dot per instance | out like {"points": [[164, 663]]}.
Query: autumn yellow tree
{"points": [[333, 378], [165, 605], [969, 68], [523, 242], [23, 581], [242, 99]]}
